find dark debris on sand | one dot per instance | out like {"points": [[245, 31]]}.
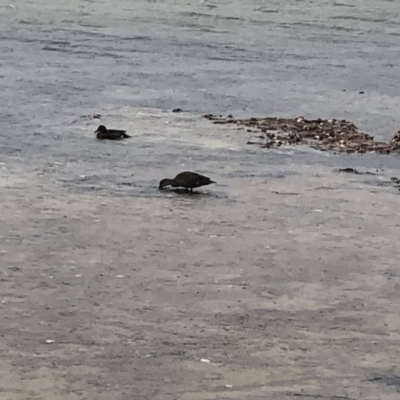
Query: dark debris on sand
{"points": [[323, 134], [355, 171], [396, 182]]}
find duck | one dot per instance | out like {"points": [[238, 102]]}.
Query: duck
{"points": [[110, 134], [187, 180]]}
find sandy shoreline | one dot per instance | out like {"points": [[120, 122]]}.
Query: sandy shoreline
{"points": [[286, 282]]}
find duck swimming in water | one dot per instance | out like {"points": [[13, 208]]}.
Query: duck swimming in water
{"points": [[110, 134], [187, 180]]}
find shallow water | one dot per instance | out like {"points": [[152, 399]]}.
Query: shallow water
{"points": [[66, 59], [63, 62]]}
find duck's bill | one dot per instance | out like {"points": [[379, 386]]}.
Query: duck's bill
{"points": [[96, 131]]}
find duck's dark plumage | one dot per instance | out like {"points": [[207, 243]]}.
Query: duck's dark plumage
{"points": [[187, 180], [110, 134]]}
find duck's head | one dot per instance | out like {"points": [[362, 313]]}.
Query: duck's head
{"points": [[163, 183], [101, 129]]}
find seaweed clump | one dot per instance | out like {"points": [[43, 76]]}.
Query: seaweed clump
{"points": [[323, 134]]}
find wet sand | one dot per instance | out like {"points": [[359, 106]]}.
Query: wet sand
{"points": [[283, 276]]}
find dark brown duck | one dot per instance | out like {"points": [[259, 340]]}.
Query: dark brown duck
{"points": [[111, 134], [187, 180]]}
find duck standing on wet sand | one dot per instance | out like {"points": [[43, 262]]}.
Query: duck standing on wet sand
{"points": [[187, 180], [110, 134]]}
